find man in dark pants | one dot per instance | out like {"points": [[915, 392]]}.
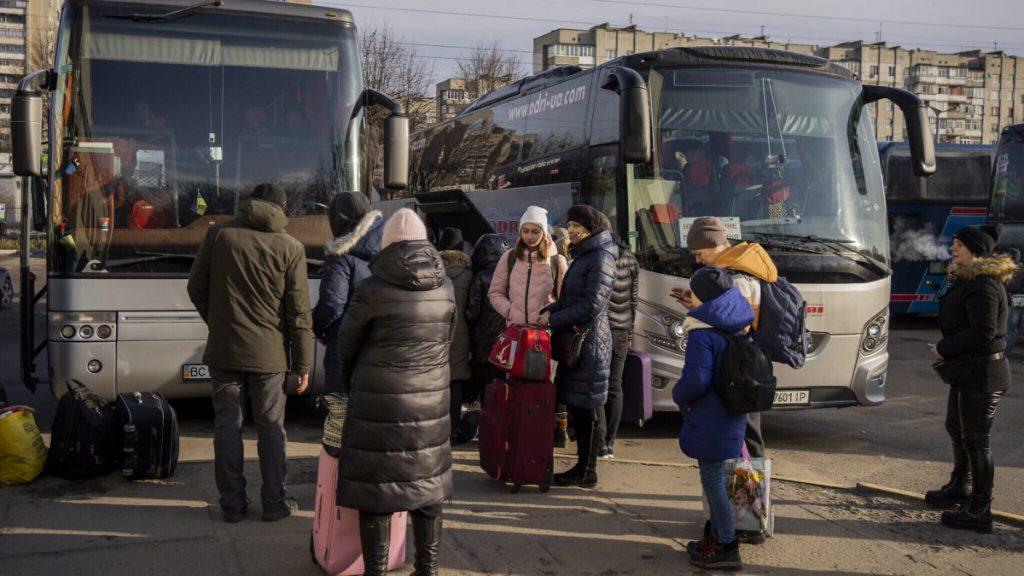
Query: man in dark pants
{"points": [[250, 286]]}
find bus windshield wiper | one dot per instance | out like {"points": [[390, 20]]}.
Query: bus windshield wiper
{"points": [[841, 247], [101, 266], [172, 15]]}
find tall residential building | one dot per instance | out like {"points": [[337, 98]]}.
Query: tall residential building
{"points": [[971, 95], [454, 94], [12, 60]]}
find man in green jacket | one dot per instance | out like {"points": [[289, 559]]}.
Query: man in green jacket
{"points": [[250, 286]]}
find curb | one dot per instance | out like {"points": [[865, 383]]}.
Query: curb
{"points": [[868, 487]]}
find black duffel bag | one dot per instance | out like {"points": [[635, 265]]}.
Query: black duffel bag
{"points": [[83, 441]]}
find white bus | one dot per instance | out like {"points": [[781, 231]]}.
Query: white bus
{"points": [[164, 115], [777, 144]]}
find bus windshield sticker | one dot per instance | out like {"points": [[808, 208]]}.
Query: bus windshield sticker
{"points": [[732, 226]]}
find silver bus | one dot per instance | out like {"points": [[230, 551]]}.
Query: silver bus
{"points": [[777, 144], [164, 115]]}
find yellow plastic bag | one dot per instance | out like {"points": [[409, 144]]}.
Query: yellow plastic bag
{"points": [[22, 450]]}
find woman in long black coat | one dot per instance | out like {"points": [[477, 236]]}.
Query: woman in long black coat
{"points": [[972, 318], [583, 306], [393, 350]]}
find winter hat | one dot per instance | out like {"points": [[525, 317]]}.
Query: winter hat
{"points": [[980, 240], [586, 216], [709, 283], [535, 215], [270, 193], [451, 239], [403, 225], [706, 232], [347, 209]]}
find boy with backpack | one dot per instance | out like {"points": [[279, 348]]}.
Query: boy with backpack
{"points": [[711, 433]]}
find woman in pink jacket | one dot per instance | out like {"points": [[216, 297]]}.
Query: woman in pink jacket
{"points": [[533, 280], [518, 292]]}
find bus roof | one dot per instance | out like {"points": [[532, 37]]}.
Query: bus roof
{"points": [[1017, 130], [238, 6], [692, 55]]}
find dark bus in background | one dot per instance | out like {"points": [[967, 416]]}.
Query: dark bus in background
{"points": [[1006, 203], [924, 213]]}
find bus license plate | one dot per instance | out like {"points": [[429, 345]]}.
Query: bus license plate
{"points": [[197, 372], [792, 397], [1017, 300]]}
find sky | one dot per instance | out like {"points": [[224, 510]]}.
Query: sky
{"points": [[441, 31]]}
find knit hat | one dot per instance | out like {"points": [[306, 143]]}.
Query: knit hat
{"points": [[709, 283], [270, 193], [980, 240], [403, 225], [535, 215], [586, 216], [347, 209], [706, 232], [451, 239]]}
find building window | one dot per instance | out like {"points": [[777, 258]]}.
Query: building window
{"points": [[995, 110], [892, 71], [994, 95], [610, 54], [873, 71]]}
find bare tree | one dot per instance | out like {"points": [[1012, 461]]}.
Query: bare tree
{"points": [[42, 40], [392, 67], [487, 68]]}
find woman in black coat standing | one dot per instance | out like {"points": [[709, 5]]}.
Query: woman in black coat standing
{"points": [[393, 350], [583, 306], [972, 318]]}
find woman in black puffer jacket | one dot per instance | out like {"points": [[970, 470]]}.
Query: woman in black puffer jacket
{"points": [[583, 305], [972, 318], [393, 350]]}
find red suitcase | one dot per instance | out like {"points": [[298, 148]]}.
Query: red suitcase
{"points": [[517, 429], [523, 352]]}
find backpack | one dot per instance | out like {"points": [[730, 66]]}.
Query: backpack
{"points": [[781, 325], [553, 262], [746, 381]]}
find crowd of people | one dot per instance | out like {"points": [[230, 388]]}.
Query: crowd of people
{"points": [[408, 324]]}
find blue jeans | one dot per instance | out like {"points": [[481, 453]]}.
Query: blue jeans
{"points": [[1013, 325], [713, 483]]}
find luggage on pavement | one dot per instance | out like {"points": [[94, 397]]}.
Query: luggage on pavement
{"points": [[84, 442], [22, 450], [517, 432], [335, 544], [523, 352], [149, 435], [637, 405]]}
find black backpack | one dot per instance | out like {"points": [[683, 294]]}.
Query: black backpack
{"points": [[84, 439], [746, 382]]}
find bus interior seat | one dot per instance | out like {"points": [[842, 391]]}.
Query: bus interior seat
{"points": [[659, 226]]}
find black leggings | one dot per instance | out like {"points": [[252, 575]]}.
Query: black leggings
{"points": [[969, 417]]}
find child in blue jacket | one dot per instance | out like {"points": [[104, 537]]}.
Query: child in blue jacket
{"points": [[710, 433]]}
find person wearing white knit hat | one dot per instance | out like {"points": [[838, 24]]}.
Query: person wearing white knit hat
{"points": [[535, 215], [402, 226]]}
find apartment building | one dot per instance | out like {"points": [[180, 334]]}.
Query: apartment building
{"points": [[971, 95], [12, 60], [454, 94]]}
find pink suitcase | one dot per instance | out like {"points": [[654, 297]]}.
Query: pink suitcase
{"points": [[335, 542]]}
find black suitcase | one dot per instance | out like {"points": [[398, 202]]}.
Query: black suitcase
{"points": [[84, 442], [149, 435]]}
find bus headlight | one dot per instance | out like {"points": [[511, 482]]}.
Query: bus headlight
{"points": [[104, 331], [875, 334], [68, 331], [94, 366], [677, 330], [86, 331]]}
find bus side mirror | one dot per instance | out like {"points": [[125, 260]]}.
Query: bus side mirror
{"points": [[634, 113], [26, 133], [396, 151], [922, 144]]}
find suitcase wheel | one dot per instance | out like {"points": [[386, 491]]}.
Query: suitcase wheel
{"points": [[545, 486], [515, 487], [312, 551]]}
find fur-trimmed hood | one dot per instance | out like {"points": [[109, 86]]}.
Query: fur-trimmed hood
{"points": [[999, 266], [455, 259], [348, 243]]}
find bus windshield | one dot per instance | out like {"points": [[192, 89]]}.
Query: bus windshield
{"points": [[1008, 179], [786, 158], [167, 125]]}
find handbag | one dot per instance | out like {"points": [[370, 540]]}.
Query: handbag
{"points": [[567, 346], [748, 485]]}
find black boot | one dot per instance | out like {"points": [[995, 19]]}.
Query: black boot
{"points": [[375, 541], [427, 536], [976, 514], [584, 473], [719, 557], [696, 547], [958, 489]]}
